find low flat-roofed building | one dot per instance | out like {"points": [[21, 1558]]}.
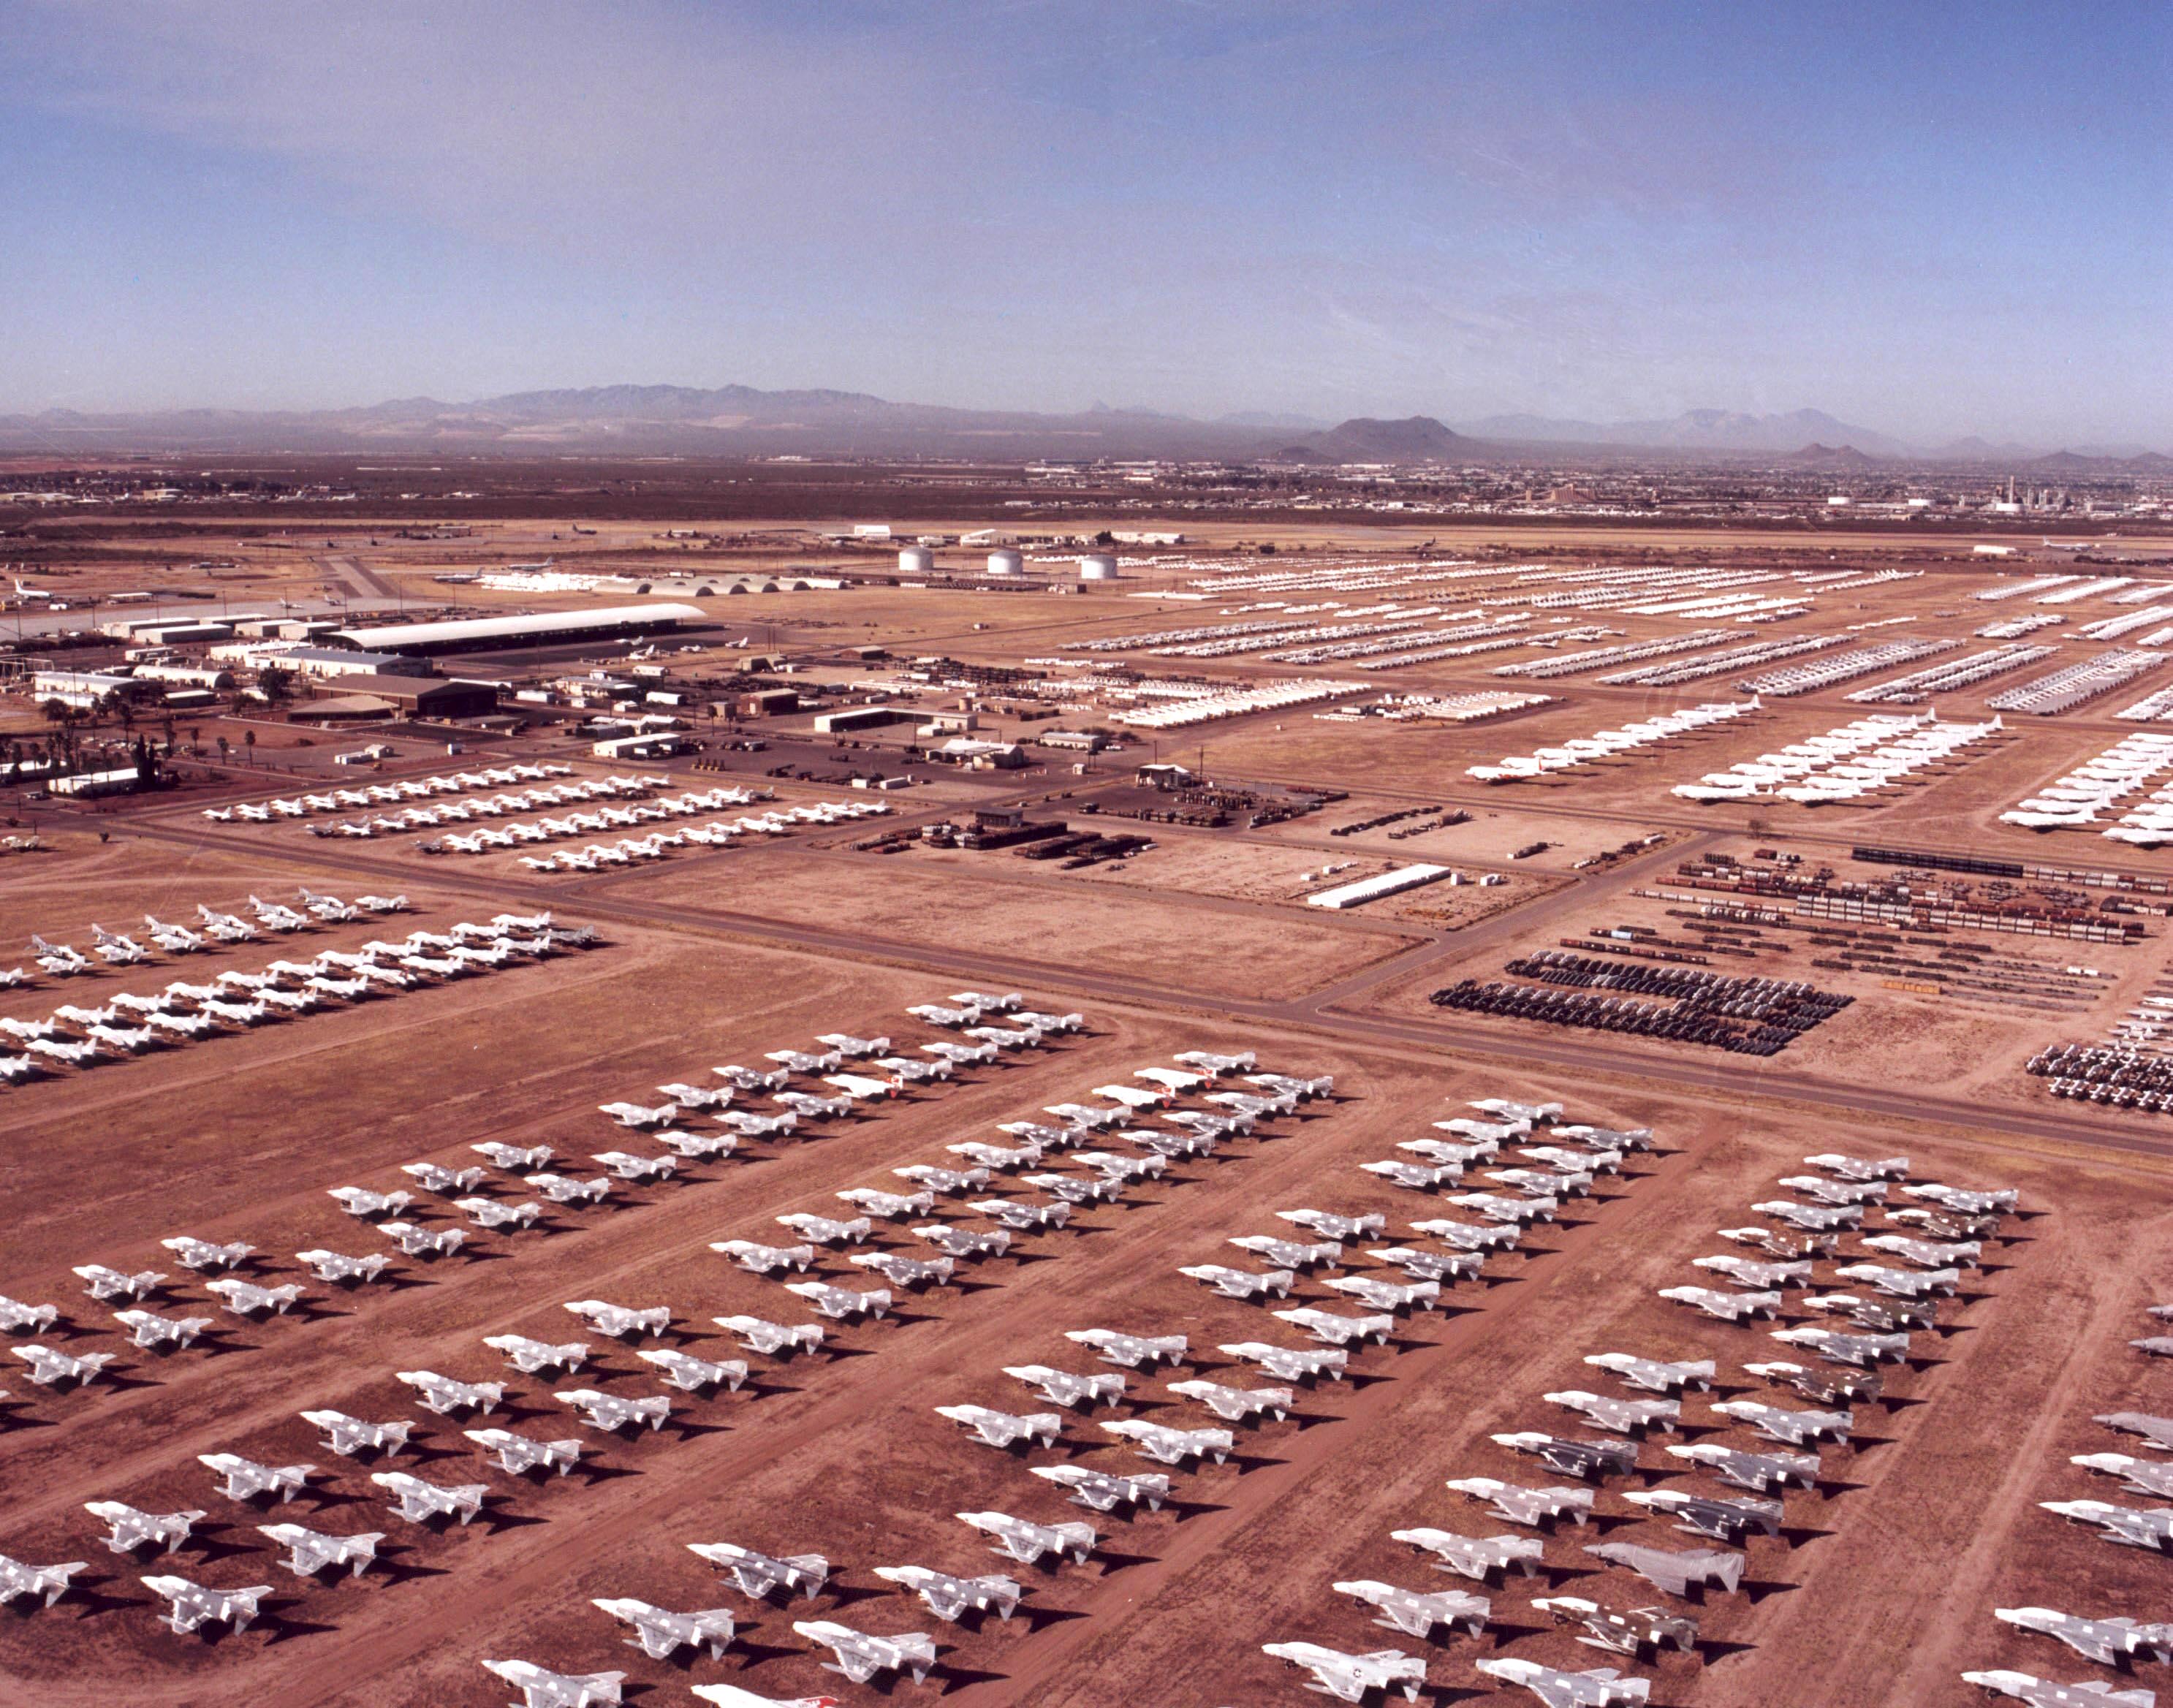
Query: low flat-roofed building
{"points": [[84, 784], [419, 697], [542, 627], [88, 686], [334, 661], [183, 675], [847, 718], [657, 744]]}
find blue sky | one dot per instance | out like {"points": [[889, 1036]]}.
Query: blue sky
{"points": [[1929, 219]]}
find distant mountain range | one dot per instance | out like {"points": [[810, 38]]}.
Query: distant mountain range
{"points": [[1695, 429], [743, 421]]}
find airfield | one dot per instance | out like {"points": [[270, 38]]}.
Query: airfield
{"points": [[1878, 1589]]}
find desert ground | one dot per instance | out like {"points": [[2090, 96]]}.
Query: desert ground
{"points": [[1879, 1587]]}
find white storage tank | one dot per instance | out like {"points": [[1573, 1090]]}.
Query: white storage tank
{"points": [[1006, 562], [916, 560], [1097, 566]]}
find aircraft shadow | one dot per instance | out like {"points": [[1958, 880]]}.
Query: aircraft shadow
{"points": [[956, 1678], [283, 1628], [205, 1544]]}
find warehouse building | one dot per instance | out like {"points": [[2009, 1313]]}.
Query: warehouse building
{"points": [[411, 697], [538, 628]]}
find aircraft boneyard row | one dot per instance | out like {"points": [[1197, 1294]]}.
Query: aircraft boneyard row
{"points": [[1339, 1287], [135, 1023], [2114, 1641], [1735, 1478], [1071, 1148]]}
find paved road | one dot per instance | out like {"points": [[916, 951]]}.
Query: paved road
{"points": [[1332, 1011]]}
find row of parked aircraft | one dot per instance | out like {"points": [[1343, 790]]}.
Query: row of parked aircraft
{"points": [[2115, 1641], [413, 788], [413, 1497], [132, 1023], [117, 949], [1561, 1161], [1952, 1232], [591, 803], [1074, 1133], [717, 833]]}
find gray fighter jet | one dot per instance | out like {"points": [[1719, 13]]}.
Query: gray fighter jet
{"points": [[350, 1436], [1836, 1218], [1652, 1375], [2110, 1642], [1415, 1613], [1863, 1350], [44, 1584], [2157, 1430], [245, 1479], [1292, 1363], [1387, 1296], [773, 1340], [518, 1454], [1723, 1520], [1103, 1492], [1903, 1284], [419, 1501], [661, 1634], [444, 1395], [133, 1528], [1006, 1430], [1173, 1447], [2149, 1528], [951, 1599], [1747, 1271], [763, 1260], [1470, 1237], [311, 1551], [1351, 1677], [1441, 1267], [1334, 1328], [529, 1356], [1290, 1255], [1624, 1416], [1642, 1630], [1596, 1460], [2040, 1693], [1762, 1474], [609, 1413], [1729, 1308], [1480, 1558], [1858, 1168], [1537, 1508], [2138, 1476], [760, 1576], [1964, 1202], [1781, 1423], [1026, 1543], [1601, 1687], [1134, 1351], [193, 1604], [1236, 1404], [1241, 1283], [1674, 1572]]}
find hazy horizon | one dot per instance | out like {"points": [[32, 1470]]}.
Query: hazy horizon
{"points": [[1945, 222]]}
